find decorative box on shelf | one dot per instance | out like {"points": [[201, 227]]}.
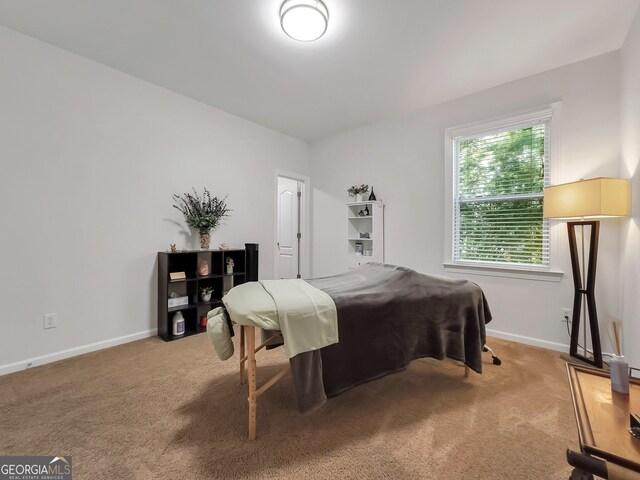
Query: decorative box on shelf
{"points": [[178, 301]]}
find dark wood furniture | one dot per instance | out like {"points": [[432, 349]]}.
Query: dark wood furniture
{"points": [[245, 270], [585, 291], [603, 425]]}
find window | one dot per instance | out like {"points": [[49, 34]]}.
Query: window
{"points": [[499, 173]]}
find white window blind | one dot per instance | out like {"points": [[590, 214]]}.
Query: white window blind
{"points": [[499, 177]]}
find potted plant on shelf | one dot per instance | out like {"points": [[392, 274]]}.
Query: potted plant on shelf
{"points": [[205, 294], [358, 192], [202, 213]]}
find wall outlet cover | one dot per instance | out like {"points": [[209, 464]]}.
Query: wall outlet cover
{"points": [[50, 320]]}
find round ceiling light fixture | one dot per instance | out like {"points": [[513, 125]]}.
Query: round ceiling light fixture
{"points": [[304, 20]]}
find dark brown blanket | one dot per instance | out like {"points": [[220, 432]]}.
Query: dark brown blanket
{"points": [[387, 317]]}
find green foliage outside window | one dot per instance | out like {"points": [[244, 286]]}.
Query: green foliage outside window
{"points": [[492, 229]]}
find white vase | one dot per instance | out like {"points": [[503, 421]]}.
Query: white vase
{"points": [[619, 372]]}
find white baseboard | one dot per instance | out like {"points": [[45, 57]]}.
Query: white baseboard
{"points": [[72, 352], [92, 347], [536, 342]]}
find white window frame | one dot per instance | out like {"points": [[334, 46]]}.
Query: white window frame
{"points": [[553, 113]]}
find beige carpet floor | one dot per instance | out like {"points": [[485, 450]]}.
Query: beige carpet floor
{"points": [[155, 410]]}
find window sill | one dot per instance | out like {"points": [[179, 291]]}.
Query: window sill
{"points": [[496, 271]]}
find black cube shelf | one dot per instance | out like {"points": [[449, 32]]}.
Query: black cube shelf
{"points": [[245, 270]]}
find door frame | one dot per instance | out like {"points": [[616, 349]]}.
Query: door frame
{"points": [[305, 210]]}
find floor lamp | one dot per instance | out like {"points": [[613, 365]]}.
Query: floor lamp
{"points": [[584, 202]]}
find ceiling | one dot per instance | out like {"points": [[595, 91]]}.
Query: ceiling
{"points": [[379, 58]]}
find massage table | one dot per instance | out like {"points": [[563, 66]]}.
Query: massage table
{"points": [[344, 330]]}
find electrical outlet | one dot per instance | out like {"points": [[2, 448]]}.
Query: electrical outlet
{"points": [[566, 314], [50, 320]]}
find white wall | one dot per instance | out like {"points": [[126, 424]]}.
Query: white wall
{"points": [[90, 158], [403, 159], [630, 136]]}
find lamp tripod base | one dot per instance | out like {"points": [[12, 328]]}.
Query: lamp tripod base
{"points": [[584, 292], [575, 360]]}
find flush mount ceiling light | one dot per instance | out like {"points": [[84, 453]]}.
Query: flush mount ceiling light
{"points": [[304, 20]]}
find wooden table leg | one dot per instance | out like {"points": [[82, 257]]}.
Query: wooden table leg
{"points": [[251, 359], [242, 352]]}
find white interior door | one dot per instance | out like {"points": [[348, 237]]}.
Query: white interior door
{"points": [[287, 247]]}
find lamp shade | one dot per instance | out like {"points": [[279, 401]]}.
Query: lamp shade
{"points": [[596, 197]]}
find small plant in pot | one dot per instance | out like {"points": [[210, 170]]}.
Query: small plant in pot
{"points": [[203, 213], [358, 192], [205, 294]]}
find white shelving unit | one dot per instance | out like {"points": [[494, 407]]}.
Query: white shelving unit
{"points": [[373, 224]]}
